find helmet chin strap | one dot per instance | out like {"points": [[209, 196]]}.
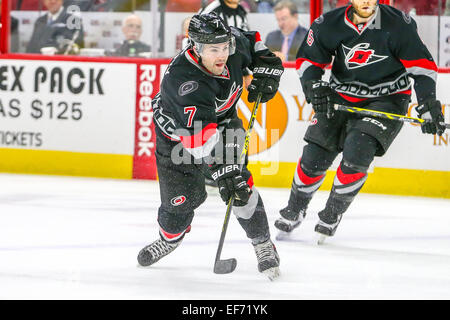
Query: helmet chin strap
{"points": [[199, 57]]}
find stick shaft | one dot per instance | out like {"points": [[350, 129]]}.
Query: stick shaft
{"points": [[380, 114], [243, 154]]}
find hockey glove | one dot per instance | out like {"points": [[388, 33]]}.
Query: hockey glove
{"points": [[431, 112], [319, 94], [266, 79], [231, 182]]}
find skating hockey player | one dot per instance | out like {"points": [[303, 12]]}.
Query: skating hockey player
{"points": [[376, 49], [195, 115]]}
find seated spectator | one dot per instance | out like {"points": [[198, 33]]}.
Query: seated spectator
{"points": [[285, 42], [132, 30], [57, 28], [14, 32], [182, 38]]}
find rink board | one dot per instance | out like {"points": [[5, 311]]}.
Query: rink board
{"points": [[92, 117]]}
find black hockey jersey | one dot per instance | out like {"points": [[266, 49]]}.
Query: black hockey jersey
{"points": [[193, 103], [372, 60]]}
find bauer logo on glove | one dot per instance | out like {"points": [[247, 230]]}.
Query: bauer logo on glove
{"points": [[268, 71]]}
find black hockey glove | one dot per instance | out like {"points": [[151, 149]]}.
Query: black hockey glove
{"points": [[431, 112], [231, 182], [266, 79], [319, 94]]}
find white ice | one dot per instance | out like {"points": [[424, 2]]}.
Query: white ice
{"points": [[78, 238]]}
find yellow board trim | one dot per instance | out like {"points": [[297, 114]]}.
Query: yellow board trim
{"points": [[405, 182], [66, 163]]}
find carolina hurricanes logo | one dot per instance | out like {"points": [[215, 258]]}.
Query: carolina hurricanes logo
{"points": [[360, 56], [233, 96], [178, 200]]}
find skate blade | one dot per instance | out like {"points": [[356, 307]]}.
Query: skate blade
{"points": [[321, 239], [272, 273], [283, 235]]}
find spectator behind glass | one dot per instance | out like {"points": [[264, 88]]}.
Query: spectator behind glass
{"points": [[57, 28], [132, 30], [285, 42], [14, 32], [182, 39]]}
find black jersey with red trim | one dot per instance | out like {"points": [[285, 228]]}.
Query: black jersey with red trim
{"points": [[374, 60], [193, 103]]}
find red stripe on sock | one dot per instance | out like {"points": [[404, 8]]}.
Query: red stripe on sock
{"points": [[304, 178], [171, 236], [346, 178]]}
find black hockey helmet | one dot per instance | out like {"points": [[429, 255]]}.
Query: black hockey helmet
{"points": [[208, 29]]}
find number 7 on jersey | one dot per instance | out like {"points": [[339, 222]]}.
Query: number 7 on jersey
{"points": [[191, 110]]}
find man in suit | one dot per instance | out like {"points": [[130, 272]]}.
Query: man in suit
{"points": [[285, 42], [57, 28]]}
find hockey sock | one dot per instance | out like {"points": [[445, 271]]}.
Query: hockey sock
{"points": [[173, 237], [346, 186], [306, 182], [253, 219]]}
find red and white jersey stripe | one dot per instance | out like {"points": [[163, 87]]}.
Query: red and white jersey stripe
{"points": [[202, 143]]}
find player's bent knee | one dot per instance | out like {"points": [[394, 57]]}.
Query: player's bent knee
{"points": [[359, 151], [316, 160], [174, 222]]}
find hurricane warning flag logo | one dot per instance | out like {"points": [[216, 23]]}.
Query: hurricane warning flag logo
{"points": [[360, 56]]}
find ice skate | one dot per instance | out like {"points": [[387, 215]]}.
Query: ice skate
{"points": [[288, 221], [327, 229], [155, 251], [268, 259]]}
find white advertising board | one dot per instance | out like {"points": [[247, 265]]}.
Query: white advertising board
{"points": [[67, 106]]}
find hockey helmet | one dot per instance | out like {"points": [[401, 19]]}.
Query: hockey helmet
{"points": [[209, 29]]}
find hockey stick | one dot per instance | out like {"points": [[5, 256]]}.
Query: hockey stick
{"points": [[228, 265], [384, 115]]}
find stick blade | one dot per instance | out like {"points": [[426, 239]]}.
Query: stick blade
{"points": [[225, 266]]}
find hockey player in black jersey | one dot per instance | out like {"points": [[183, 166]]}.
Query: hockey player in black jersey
{"points": [[376, 51], [195, 115]]}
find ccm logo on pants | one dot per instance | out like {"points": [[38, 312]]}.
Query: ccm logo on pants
{"points": [[375, 122]]}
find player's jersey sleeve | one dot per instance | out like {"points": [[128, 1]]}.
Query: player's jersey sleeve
{"points": [[313, 56], [417, 60], [195, 117]]}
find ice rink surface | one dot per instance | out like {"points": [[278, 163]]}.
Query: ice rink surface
{"points": [[78, 238]]}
